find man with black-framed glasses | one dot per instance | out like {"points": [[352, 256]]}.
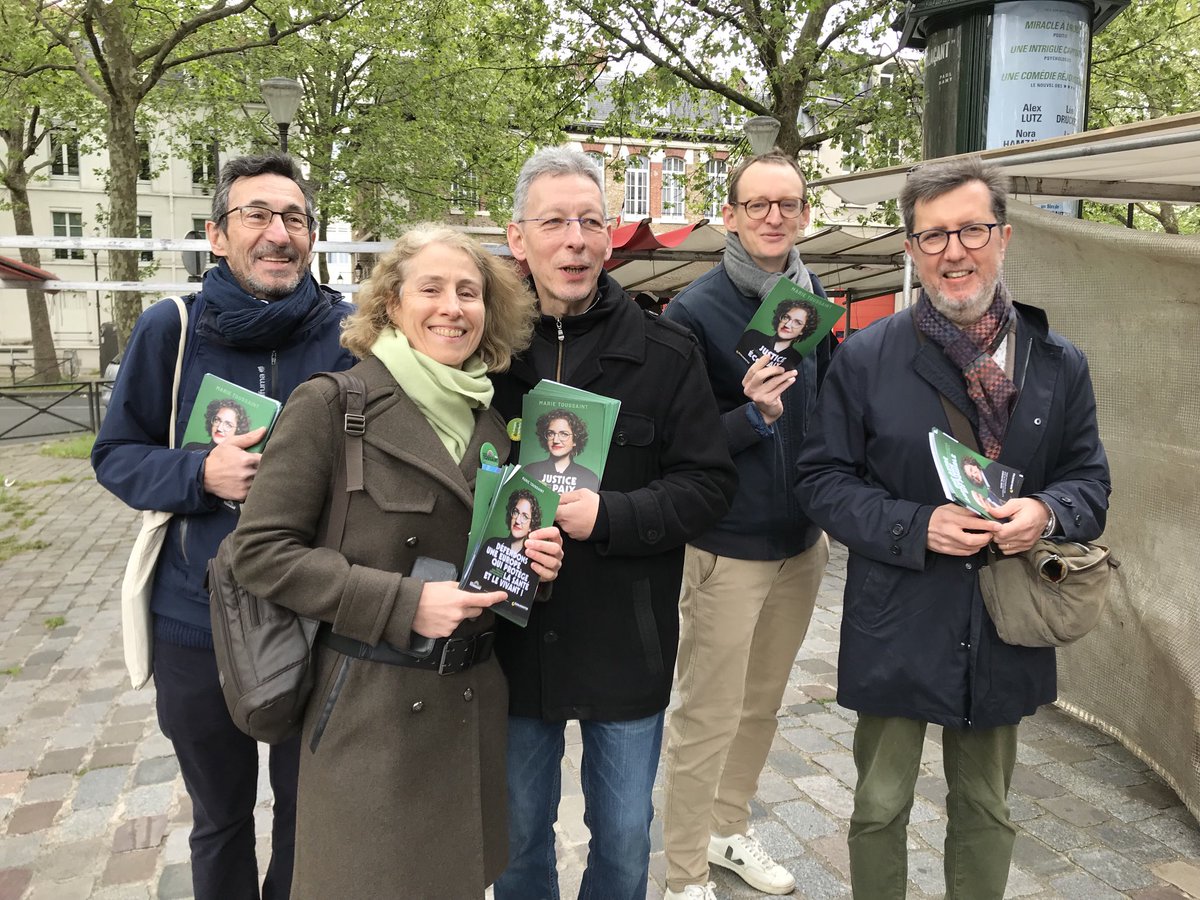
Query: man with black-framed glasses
{"points": [[260, 321], [917, 643], [751, 581]]}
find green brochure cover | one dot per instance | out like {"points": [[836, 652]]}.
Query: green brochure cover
{"points": [[223, 409], [788, 325], [970, 479], [496, 560], [565, 436]]}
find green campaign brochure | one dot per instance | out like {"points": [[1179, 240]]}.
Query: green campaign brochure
{"points": [[507, 508], [223, 409], [565, 436], [971, 479], [788, 324]]}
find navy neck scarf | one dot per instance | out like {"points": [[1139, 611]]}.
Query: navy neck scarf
{"points": [[246, 321]]}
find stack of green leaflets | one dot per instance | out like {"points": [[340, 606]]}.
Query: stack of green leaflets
{"points": [[223, 409], [788, 325], [565, 436], [971, 479], [508, 506]]}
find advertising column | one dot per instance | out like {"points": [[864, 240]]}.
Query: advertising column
{"points": [[1038, 75]]}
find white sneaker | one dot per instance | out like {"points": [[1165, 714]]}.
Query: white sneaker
{"points": [[744, 856], [693, 892]]}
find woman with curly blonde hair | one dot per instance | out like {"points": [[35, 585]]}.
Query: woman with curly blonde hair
{"points": [[402, 775]]}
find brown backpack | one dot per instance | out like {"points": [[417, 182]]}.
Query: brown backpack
{"points": [[265, 651]]}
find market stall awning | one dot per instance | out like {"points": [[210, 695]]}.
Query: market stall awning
{"points": [[861, 260], [17, 274], [1156, 160]]}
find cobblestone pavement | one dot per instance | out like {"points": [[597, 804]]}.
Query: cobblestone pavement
{"points": [[92, 805]]}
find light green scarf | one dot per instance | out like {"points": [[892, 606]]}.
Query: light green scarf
{"points": [[446, 395]]}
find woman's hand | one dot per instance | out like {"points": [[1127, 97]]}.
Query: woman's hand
{"points": [[443, 606], [544, 548]]}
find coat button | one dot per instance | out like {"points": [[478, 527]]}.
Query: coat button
{"points": [[652, 535], [968, 566], [468, 695], [620, 439], [897, 529], [411, 542], [1067, 501], [895, 548], [1037, 421], [1078, 518], [418, 706], [550, 637]]}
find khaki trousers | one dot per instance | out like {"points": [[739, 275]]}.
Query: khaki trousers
{"points": [[741, 625], [979, 835]]}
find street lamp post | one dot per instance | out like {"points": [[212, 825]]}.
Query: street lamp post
{"points": [[761, 132], [282, 96]]}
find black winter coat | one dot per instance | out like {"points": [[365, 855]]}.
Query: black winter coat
{"points": [[916, 638], [603, 646]]}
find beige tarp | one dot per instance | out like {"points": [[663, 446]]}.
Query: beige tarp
{"points": [[1131, 301]]}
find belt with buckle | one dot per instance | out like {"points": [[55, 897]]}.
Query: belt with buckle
{"points": [[449, 656]]}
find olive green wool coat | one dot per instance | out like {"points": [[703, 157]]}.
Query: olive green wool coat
{"points": [[403, 795]]}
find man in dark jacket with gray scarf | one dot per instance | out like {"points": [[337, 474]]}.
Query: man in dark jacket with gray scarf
{"points": [[602, 648], [917, 643], [750, 582]]}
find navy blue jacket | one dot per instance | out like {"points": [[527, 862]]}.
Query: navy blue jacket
{"points": [[765, 521], [131, 455], [916, 639]]}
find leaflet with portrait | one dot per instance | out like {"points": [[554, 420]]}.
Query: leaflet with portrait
{"points": [[788, 325], [223, 409], [565, 435], [971, 479], [509, 505]]}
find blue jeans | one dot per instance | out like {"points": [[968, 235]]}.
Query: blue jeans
{"points": [[619, 762]]}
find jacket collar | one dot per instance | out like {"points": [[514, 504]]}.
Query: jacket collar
{"points": [[391, 413], [1036, 372]]}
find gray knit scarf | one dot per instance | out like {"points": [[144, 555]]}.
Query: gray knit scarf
{"points": [[746, 275]]}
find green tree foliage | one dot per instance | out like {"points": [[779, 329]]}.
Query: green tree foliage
{"points": [[811, 64], [1146, 65], [404, 100], [121, 51], [29, 108]]}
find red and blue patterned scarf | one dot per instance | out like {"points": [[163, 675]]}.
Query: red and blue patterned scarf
{"points": [[971, 349]]}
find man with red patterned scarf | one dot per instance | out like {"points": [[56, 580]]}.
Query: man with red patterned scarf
{"points": [[917, 644]]}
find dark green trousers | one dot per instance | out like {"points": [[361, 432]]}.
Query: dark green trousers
{"points": [[979, 837]]}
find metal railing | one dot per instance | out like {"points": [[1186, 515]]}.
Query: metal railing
{"points": [[48, 404]]}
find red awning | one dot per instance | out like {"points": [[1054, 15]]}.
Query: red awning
{"points": [[15, 270], [639, 236]]}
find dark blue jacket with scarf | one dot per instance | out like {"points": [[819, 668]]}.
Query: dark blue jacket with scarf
{"points": [[131, 455], [916, 638], [765, 521]]}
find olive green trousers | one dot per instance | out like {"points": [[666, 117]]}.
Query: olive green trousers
{"points": [[979, 835]]}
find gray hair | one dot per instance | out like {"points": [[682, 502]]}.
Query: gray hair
{"points": [[928, 182], [552, 161], [250, 166]]}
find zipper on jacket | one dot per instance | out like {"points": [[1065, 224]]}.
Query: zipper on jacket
{"points": [[274, 371], [562, 342]]}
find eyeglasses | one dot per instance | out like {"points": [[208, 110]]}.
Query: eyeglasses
{"points": [[560, 435], [224, 424], [559, 224], [519, 516], [797, 321], [789, 207], [258, 218], [972, 237]]}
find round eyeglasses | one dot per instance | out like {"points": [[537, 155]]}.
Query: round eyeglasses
{"points": [[789, 207], [973, 237]]}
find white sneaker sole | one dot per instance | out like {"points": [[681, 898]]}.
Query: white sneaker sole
{"points": [[717, 859]]}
